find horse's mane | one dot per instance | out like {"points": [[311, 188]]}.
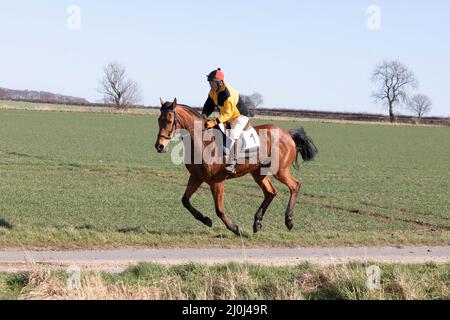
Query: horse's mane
{"points": [[190, 109], [194, 112]]}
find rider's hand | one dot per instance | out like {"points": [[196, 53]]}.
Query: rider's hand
{"points": [[204, 116], [211, 124]]}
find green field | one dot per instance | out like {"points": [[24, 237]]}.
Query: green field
{"points": [[78, 180]]}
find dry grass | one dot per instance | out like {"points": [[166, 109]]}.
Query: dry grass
{"points": [[43, 286], [347, 282]]}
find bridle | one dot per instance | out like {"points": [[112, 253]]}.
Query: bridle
{"points": [[175, 122]]}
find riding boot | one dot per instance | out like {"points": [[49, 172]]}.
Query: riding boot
{"points": [[231, 166], [230, 161]]}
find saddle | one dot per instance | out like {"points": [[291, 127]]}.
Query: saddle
{"points": [[248, 143], [247, 127]]}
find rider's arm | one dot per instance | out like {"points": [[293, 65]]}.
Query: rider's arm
{"points": [[209, 107]]}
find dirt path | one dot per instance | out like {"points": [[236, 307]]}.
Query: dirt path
{"points": [[118, 260]]}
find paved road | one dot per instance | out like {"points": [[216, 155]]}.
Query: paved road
{"points": [[117, 260]]}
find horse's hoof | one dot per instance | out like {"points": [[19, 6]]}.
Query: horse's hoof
{"points": [[289, 223], [238, 231], [257, 226], [207, 221]]}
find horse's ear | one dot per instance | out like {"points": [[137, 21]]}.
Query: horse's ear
{"points": [[162, 101], [174, 103]]}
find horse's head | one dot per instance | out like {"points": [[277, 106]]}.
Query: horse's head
{"points": [[167, 125]]}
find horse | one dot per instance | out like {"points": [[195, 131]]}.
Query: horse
{"points": [[174, 116]]}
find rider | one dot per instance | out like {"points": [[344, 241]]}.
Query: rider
{"points": [[231, 109]]}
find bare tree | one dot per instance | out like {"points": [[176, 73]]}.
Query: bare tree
{"points": [[257, 99], [117, 88], [252, 102], [420, 104], [394, 80]]}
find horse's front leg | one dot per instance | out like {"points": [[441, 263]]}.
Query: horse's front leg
{"points": [[217, 190], [192, 187]]}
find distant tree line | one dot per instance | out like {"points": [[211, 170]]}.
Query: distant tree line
{"points": [[39, 96], [395, 86]]}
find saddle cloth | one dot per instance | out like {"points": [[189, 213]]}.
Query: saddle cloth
{"points": [[247, 144]]}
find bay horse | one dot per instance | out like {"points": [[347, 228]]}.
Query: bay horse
{"points": [[176, 116]]}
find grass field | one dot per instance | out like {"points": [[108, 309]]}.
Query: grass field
{"points": [[78, 180], [236, 281]]}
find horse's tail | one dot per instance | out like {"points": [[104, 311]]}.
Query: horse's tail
{"points": [[305, 145]]}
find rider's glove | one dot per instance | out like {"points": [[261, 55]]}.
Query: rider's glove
{"points": [[211, 124]]}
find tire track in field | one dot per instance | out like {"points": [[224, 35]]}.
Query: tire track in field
{"points": [[378, 216], [376, 205], [419, 213], [381, 217], [371, 214]]}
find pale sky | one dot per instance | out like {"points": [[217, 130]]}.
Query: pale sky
{"points": [[298, 54]]}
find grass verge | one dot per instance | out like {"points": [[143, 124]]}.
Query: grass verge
{"points": [[237, 281]]}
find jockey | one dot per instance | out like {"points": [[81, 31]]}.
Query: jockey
{"points": [[231, 109]]}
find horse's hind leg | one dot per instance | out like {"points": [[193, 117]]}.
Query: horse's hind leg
{"points": [[217, 190], [285, 177], [192, 187], [269, 194]]}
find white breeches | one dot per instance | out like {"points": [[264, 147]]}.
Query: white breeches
{"points": [[237, 126]]}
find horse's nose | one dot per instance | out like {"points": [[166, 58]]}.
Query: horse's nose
{"points": [[159, 147]]}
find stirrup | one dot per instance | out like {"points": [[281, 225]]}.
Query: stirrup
{"points": [[230, 168]]}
